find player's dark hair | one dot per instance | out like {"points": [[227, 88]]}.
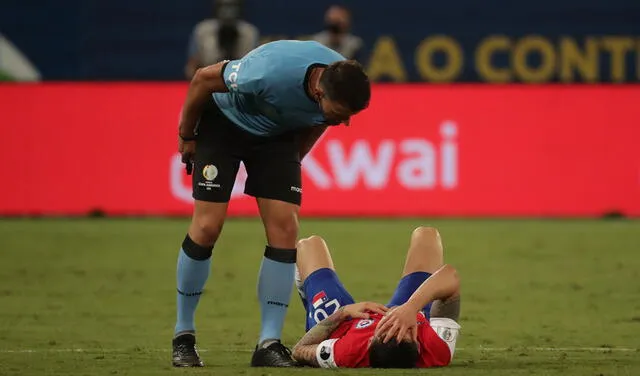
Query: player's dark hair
{"points": [[346, 83], [393, 354]]}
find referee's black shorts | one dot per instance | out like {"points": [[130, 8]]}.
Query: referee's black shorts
{"points": [[272, 163]]}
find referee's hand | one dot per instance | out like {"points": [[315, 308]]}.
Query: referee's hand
{"points": [[187, 150]]}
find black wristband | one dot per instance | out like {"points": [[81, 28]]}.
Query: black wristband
{"points": [[183, 138]]}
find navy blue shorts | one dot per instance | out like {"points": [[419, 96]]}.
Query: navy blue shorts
{"points": [[325, 294]]}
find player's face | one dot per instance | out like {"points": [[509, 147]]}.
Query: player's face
{"points": [[334, 112]]}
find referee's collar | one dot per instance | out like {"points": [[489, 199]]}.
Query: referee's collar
{"points": [[307, 77]]}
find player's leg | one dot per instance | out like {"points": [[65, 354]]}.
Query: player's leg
{"points": [[213, 176], [313, 254], [425, 252], [320, 286], [273, 177], [424, 257]]}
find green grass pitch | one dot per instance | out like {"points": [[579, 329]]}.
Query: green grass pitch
{"points": [[96, 297]]}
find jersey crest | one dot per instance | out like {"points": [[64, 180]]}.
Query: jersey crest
{"points": [[364, 323]]}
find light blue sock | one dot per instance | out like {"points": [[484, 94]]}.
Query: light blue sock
{"points": [[275, 284], [192, 276]]}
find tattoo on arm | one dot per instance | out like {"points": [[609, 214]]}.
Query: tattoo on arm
{"points": [[305, 350], [323, 329], [306, 354], [449, 308]]}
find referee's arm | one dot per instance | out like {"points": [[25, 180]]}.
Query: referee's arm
{"points": [[205, 81]]}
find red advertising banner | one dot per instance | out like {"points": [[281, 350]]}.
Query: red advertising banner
{"points": [[419, 150]]}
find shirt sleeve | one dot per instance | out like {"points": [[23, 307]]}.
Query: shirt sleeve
{"points": [[245, 76]]}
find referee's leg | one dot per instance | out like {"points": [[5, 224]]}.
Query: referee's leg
{"points": [[214, 173], [273, 178], [277, 271]]}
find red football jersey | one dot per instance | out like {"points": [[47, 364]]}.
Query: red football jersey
{"points": [[348, 346]]}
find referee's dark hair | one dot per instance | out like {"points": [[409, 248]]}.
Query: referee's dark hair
{"points": [[347, 83]]}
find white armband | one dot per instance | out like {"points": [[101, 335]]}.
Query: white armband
{"points": [[325, 354]]}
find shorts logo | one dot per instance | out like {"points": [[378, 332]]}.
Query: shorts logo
{"points": [[296, 189], [210, 172], [325, 352], [363, 324]]}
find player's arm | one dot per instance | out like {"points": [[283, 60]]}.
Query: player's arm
{"points": [[205, 81], [443, 285], [309, 138], [305, 350]]}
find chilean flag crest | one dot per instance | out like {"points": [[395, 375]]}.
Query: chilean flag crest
{"points": [[319, 299]]}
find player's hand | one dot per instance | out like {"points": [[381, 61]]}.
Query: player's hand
{"points": [[187, 150], [399, 322], [361, 310]]}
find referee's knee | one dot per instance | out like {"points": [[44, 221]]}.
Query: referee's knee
{"points": [[282, 234], [205, 229]]}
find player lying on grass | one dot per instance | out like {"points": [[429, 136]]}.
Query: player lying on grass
{"points": [[418, 329]]}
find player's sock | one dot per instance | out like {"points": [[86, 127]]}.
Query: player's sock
{"points": [[275, 283], [194, 265]]}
